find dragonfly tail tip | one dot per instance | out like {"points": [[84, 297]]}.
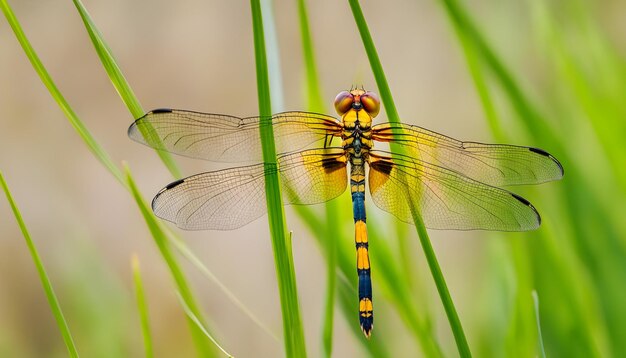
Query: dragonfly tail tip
{"points": [[367, 328]]}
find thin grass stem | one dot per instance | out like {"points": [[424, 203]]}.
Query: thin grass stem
{"points": [[160, 238], [98, 151], [331, 237], [193, 259], [142, 307], [542, 351], [55, 307], [192, 316], [119, 81], [78, 125]]}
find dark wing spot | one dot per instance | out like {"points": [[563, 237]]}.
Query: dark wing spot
{"points": [[527, 203], [161, 110], [382, 166], [539, 151], [544, 153], [524, 201], [332, 164], [180, 181], [168, 187]]}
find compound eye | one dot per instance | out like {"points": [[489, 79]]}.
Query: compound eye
{"points": [[343, 102], [371, 103]]}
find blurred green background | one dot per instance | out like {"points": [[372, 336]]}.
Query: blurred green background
{"points": [[547, 74]]}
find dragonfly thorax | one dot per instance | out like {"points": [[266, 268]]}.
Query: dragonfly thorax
{"points": [[357, 132], [357, 108]]}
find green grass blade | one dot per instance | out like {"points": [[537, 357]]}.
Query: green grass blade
{"points": [[392, 114], [119, 81], [192, 316], [345, 262], [292, 324], [96, 149], [273, 56], [478, 77], [106, 161], [43, 275], [160, 238], [78, 125], [331, 281], [388, 274], [442, 287], [565, 249], [392, 277], [142, 306], [314, 93], [90, 140], [527, 112], [375, 64], [329, 239]]}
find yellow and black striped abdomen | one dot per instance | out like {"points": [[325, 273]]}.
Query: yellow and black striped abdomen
{"points": [[357, 188]]}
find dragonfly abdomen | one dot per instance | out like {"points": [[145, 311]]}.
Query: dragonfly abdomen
{"points": [[357, 186]]}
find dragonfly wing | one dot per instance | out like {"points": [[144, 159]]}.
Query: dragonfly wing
{"points": [[444, 198], [231, 198], [224, 138], [221, 200], [494, 164]]}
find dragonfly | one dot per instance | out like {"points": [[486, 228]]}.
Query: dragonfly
{"points": [[451, 184]]}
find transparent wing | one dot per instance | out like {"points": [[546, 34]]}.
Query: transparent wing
{"points": [[445, 199], [494, 164], [224, 138], [230, 198]]}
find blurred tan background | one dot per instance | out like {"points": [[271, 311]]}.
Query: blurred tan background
{"points": [[199, 55]]}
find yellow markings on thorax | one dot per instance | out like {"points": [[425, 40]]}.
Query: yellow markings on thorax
{"points": [[365, 139], [349, 119]]}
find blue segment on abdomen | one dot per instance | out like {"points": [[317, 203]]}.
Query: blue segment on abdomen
{"points": [[358, 206], [365, 284]]}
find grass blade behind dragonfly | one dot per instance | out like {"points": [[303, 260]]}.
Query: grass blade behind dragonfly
{"points": [[184, 290], [87, 137], [78, 125], [142, 306], [133, 105], [118, 80], [200, 326], [552, 253], [392, 115], [55, 307], [332, 235]]}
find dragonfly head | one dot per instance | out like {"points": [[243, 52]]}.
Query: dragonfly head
{"points": [[357, 99]]}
